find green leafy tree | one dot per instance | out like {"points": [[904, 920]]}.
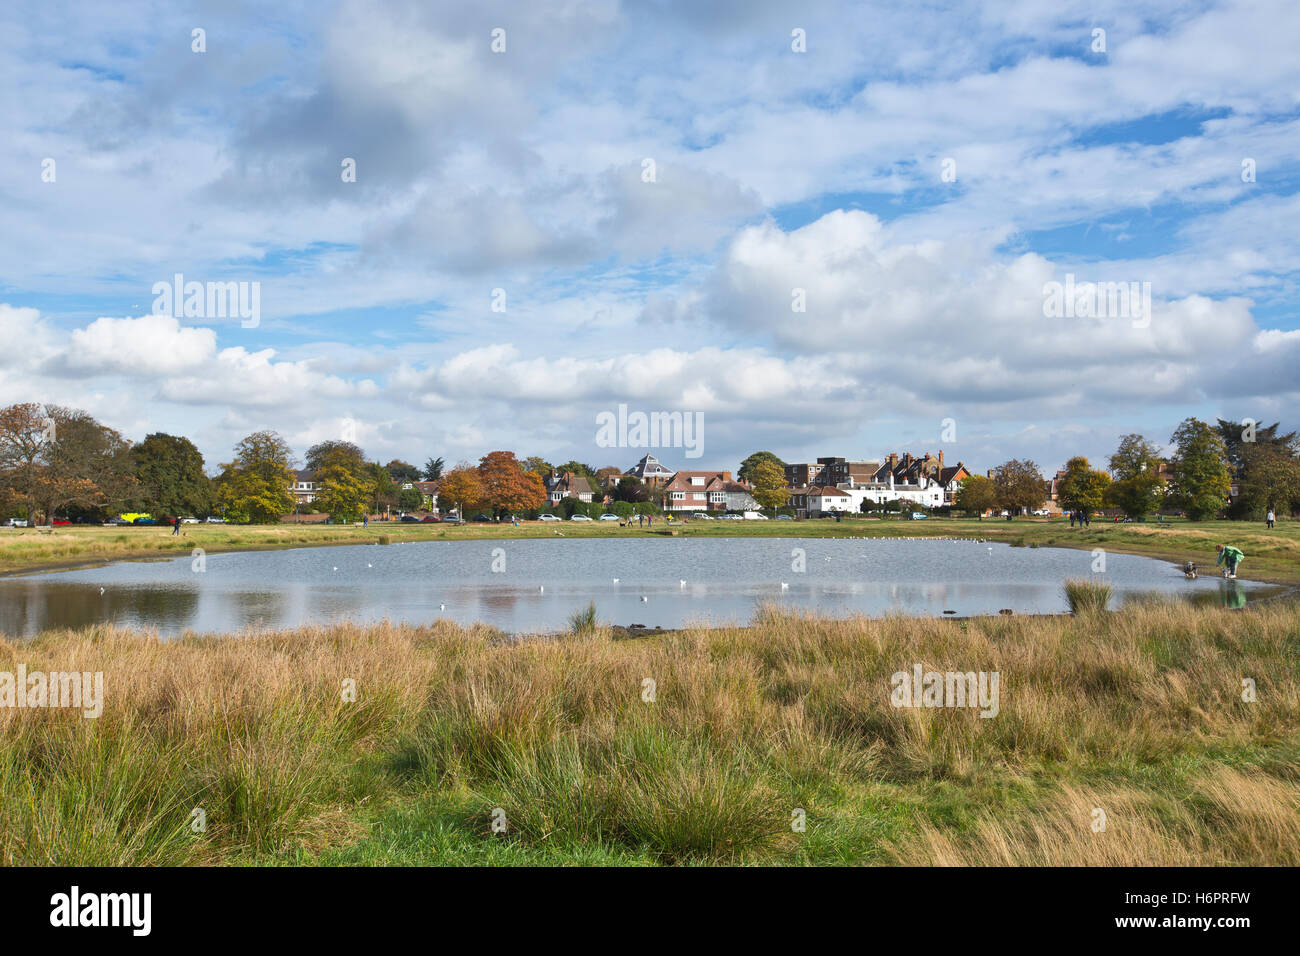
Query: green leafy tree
{"points": [[254, 488], [975, 495], [1082, 488], [1240, 439], [410, 499], [1199, 477], [346, 484], [170, 476], [1018, 485], [538, 465], [748, 467], [1270, 481], [318, 453], [631, 490], [433, 469], [402, 472], [1137, 487], [768, 478]]}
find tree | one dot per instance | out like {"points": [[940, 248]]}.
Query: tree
{"points": [[578, 468], [461, 486], [1199, 476], [402, 472], [768, 477], [88, 465], [631, 489], [433, 469], [975, 494], [410, 499], [255, 486], [1239, 439], [1082, 488], [1018, 485], [170, 476], [1138, 487], [317, 453], [346, 484], [538, 465], [506, 486], [384, 492], [26, 431], [748, 467], [1270, 481]]}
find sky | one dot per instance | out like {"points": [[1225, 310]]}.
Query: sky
{"points": [[820, 228]]}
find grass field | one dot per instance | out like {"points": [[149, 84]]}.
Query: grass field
{"points": [[1272, 556], [1136, 714]]}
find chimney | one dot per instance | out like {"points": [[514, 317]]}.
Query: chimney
{"points": [[893, 460], [940, 457]]}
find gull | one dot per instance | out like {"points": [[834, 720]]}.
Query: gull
{"points": [[442, 607], [683, 582], [644, 598], [785, 586], [369, 565], [616, 580], [541, 589], [336, 569]]}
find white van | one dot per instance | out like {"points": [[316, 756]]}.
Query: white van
{"points": [[755, 516]]}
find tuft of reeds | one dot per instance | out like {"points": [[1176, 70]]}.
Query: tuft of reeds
{"points": [[1087, 596]]}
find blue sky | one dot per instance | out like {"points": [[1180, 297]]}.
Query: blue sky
{"points": [[920, 176]]}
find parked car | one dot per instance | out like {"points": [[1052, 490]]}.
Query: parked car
{"points": [[213, 519], [730, 518], [487, 519], [409, 519], [578, 517], [701, 514], [17, 522], [547, 517], [453, 519], [755, 516], [918, 516], [189, 521], [609, 517], [784, 517], [430, 519], [58, 521]]}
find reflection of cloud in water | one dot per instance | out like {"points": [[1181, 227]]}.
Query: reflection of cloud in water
{"points": [[727, 578]]}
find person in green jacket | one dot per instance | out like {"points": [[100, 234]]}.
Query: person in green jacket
{"points": [[1229, 557]]}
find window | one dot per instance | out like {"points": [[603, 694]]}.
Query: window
{"points": [[678, 495], [697, 481]]}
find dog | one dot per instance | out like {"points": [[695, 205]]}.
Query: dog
{"points": [[1189, 570]]}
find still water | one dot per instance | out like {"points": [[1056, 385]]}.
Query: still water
{"points": [[534, 585]]}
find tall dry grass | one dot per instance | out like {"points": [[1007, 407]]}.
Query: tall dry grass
{"points": [[1138, 712]]}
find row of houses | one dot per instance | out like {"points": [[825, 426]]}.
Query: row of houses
{"points": [[826, 486]]}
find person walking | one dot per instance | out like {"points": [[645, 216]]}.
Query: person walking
{"points": [[1072, 516], [176, 526], [1271, 517], [1230, 558]]}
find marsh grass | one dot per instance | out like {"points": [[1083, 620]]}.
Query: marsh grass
{"points": [[1087, 596], [1138, 712]]}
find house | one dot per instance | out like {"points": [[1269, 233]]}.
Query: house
{"points": [[926, 480], [738, 497], [803, 475], [429, 490], [836, 472], [304, 487], [649, 471], [566, 484], [826, 499], [705, 491]]}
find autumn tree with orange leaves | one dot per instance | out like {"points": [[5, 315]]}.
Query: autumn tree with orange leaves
{"points": [[506, 486]]}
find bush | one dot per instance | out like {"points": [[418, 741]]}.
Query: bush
{"points": [[1087, 596]]}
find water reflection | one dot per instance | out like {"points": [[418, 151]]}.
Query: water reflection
{"points": [[661, 582]]}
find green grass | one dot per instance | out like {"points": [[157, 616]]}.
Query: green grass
{"points": [[1138, 711], [1087, 596]]}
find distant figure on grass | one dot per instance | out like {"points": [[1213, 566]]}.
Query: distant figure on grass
{"points": [[1271, 517], [365, 521], [176, 526], [1229, 557]]}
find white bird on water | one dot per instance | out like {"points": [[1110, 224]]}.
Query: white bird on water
{"points": [[644, 598], [682, 582], [336, 569], [369, 565], [541, 589], [785, 586], [442, 607], [616, 580]]}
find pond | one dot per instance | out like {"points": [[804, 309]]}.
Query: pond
{"points": [[535, 585]]}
